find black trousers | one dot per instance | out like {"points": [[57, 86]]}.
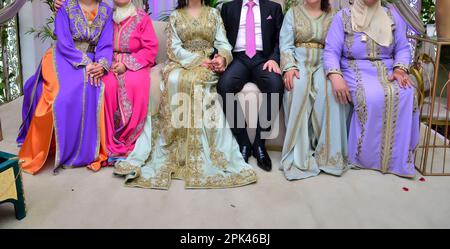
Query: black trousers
{"points": [[241, 71]]}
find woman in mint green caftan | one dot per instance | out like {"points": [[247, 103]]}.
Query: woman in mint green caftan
{"points": [[316, 138], [203, 151]]}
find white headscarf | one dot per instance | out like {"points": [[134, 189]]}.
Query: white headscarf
{"points": [[373, 21], [122, 13]]}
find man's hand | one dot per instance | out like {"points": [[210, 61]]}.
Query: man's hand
{"points": [[119, 68], [95, 72], [219, 63], [58, 4], [289, 78], [340, 89], [272, 66], [402, 78]]}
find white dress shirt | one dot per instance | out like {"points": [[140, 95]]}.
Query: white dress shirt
{"points": [[240, 42]]}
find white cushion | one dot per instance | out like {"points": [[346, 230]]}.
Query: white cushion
{"points": [[159, 28], [250, 88]]}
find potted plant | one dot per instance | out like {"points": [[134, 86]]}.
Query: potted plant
{"points": [[289, 3], [46, 31], [428, 16]]}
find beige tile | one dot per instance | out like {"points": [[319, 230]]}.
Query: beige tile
{"points": [[360, 199]]}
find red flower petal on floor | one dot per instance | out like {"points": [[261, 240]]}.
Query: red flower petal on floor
{"points": [[406, 189], [422, 179]]}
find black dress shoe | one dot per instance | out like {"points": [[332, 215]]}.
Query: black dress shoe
{"points": [[262, 157], [246, 152]]}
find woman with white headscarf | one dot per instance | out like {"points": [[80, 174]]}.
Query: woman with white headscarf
{"points": [[127, 87], [367, 58]]}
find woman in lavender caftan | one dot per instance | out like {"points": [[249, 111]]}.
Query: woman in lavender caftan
{"points": [[367, 57], [63, 102], [127, 85]]}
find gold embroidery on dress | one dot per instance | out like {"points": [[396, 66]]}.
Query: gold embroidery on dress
{"points": [[324, 159], [224, 53], [302, 24], [85, 47], [391, 99], [189, 29], [361, 106], [349, 35], [290, 141], [82, 30], [183, 145], [333, 71], [390, 112], [287, 61]]}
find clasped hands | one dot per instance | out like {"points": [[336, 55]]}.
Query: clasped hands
{"points": [[119, 68], [217, 64], [95, 72]]}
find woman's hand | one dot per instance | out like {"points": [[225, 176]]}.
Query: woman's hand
{"points": [[289, 78], [340, 89], [58, 4], [119, 68], [219, 63], [402, 78], [207, 63], [89, 67], [95, 72]]}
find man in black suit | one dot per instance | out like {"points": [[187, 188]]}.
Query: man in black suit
{"points": [[253, 29]]}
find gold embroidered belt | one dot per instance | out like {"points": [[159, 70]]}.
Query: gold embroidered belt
{"points": [[197, 45], [309, 45], [85, 47]]}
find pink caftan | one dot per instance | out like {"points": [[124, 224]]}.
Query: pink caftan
{"points": [[126, 95]]}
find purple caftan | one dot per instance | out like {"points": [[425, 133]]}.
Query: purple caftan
{"points": [[384, 128], [60, 101]]}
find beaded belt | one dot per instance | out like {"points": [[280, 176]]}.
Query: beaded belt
{"points": [[85, 47], [197, 45], [309, 45]]}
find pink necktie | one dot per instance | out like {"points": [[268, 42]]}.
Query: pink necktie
{"points": [[250, 40]]}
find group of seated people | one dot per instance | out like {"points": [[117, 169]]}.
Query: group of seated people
{"points": [[341, 77]]}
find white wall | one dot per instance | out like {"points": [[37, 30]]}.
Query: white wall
{"points": [[32, 14], [158, 6]]}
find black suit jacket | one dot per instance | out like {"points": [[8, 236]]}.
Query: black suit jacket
{"points": [[271, 22]]}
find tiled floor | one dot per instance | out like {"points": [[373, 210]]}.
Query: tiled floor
{"points": [[360, 199]]}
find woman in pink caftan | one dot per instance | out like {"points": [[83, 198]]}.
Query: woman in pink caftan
{"points": [[127, 85]]}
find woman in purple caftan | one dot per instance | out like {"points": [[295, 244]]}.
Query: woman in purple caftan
{"points": [[367, 58], [63, 102]]}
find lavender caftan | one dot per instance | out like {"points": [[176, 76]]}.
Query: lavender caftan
{"points": [[384, 128]]}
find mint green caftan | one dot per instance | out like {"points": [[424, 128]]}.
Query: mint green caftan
{"points": [[316, 138], [189, 138]]}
